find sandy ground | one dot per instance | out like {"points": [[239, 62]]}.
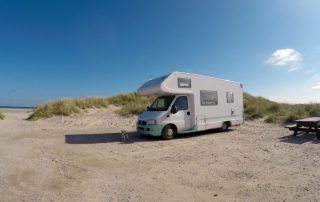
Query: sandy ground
{"points": [[82, 158]]}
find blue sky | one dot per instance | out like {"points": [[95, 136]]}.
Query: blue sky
{"points": [[65, 49]]}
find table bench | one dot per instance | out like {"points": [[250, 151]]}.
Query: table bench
{"points": [[309, 125]]}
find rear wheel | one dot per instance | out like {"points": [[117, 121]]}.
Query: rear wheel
{"points": [[168, 132], [224, 127]]}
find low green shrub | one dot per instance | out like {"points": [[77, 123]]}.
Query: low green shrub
{"points": [[131, 104], [274, 108], [1, 116], [271, 119], [91, 103], [313, 109], [132, 109], [64, 108], [127, 99], [61, 107], [258, 107], [253, 113]]}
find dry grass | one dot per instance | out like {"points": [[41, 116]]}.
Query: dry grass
{"points": [[133, 103], [272, 112], [91, 103], [67, 107], [1, 116]]}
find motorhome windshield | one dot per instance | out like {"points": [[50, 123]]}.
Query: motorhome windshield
{"points": [[161, 103]]}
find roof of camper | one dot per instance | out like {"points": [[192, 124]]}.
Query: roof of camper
{"points": [[202, 76], [154, 86]]}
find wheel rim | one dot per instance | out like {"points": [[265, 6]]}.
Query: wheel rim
{"points": [[224, 126], [169, 132]]}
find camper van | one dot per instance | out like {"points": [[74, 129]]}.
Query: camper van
{"points": [[187, 102]]}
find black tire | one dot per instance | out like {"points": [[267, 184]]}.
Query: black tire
{"points": [[168, 132], [224, 127]]}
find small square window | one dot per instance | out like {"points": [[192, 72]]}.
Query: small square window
{"points": [[230, 97], [184, 83]]}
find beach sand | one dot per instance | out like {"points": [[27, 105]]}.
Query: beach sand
{"points": [[82, 158]]}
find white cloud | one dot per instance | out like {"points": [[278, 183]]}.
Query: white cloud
{"points": [[316, 79], [276, 98], [295, 68], [285, 57]]}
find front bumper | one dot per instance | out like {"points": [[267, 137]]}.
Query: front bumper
{"points": [[153, 130]]}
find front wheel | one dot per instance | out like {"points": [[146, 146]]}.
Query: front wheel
{"points": [[224, 127], [168, 132]]}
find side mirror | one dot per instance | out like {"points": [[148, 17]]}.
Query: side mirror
{"points": [[174, 109]]}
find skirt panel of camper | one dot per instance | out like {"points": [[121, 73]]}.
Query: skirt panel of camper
{"points": [[153, 130]]}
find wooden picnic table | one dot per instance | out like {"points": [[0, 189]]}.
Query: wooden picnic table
{"points": [[311, 124]]}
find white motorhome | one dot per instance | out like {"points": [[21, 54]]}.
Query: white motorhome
{"points": [[189, 102]]}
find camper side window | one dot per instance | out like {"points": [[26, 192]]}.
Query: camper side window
{"points": [[230, 97], [208, 97], [181, 103]]}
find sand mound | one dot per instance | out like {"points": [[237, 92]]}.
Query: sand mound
{"points": [[100, 119], [94, 118]]}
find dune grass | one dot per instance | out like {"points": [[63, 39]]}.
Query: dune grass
{"points": [[67, 107], [130, 104], [273, 112], [1, 116], [133, 104]]}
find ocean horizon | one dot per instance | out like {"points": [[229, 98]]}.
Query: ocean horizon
{"points": [[16, 107]]}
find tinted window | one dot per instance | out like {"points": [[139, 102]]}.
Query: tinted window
{"points": [[161, 103], [208, 97], [230, 97], [181, 103]]}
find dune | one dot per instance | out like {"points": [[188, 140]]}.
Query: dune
{"points": [[104, 118]]}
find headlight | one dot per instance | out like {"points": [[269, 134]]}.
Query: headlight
{"points": [[151, 122]]}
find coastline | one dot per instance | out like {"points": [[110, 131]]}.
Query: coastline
{"points": [[16, 107]]}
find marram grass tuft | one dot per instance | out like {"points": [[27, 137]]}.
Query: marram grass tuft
{"points": [[1, 116]]}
